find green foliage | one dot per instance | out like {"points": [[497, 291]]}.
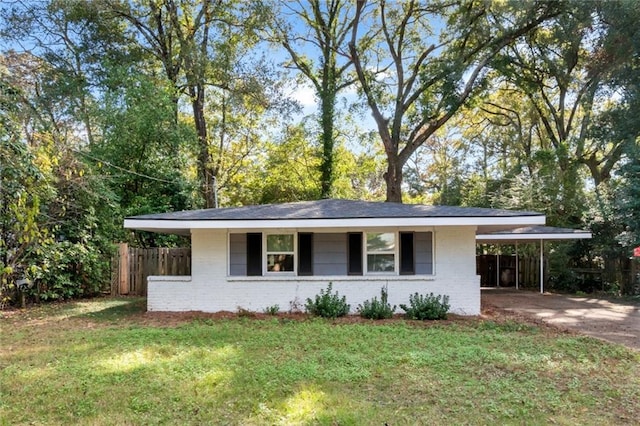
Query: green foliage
{"points": [[69, 270], [628, 200], [21, 193], [328, 305], [427, 307], [327, 25], [95, 122], [290, 172], [377, 309], [272, 310], [54, 213]]}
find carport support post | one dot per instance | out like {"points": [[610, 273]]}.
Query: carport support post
{"points": [[517, 267], [541, 266], [498, 267]]}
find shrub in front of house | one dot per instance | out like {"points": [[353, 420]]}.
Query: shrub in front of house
{"points": [[429, 307], [328, 305], [272, 310], [377, 309]]}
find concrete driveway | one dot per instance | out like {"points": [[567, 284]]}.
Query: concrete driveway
{"points": [[614, 321]]}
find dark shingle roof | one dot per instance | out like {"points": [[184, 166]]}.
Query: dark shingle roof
{"points": [[333, 209]]}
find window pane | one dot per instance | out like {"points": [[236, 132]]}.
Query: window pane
{"points": [[280, 263], [381, 242], [282, 242], [380, 263]]}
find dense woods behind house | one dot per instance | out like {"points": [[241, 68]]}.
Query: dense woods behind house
{"points": [[114, 108]]}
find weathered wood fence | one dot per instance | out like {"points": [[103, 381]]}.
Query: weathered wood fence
{"points": [[131, 267]]}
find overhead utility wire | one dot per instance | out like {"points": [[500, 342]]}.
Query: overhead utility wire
{"points": [[122, 168]]}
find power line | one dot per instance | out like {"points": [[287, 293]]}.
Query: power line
{"points": [[122, 168]]}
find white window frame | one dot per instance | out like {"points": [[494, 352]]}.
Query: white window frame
{"points": [[394, 252], [266, 253]]}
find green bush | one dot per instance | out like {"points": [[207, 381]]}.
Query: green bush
{"points": [[328, 305], [428, 307], [272, 310], [377, 309]]}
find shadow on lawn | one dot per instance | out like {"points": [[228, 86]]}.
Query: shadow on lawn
{"points": [[113, 309]]}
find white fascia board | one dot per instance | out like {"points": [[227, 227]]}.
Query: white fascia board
{"points": [[534, 237], [333, 223]]}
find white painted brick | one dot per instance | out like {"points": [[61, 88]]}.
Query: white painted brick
{"points": [[211, 290]]}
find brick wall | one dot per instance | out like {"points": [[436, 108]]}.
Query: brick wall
{"points": [[210, 289]]}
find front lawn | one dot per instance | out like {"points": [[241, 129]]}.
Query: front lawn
{"points": [[106, 362]]}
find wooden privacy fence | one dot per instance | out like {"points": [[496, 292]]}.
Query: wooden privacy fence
{"points": [[131, 267], [591, 279], [528, 269]]}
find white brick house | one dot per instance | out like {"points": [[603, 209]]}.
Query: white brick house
{"points": [[258, 256]]}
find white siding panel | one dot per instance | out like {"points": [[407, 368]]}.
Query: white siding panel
{"points": [[423, 252], [238, 254], [329, 254]]}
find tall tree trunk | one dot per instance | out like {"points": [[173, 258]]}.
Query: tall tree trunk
{"points": [[393, 178], [328, 100], [205, 172], [329, 23]]}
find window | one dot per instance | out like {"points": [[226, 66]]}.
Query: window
{"points": [[280, 253], [381, 249], [338, 253]]}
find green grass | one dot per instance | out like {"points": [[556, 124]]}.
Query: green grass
{"points": [[104, 362]]}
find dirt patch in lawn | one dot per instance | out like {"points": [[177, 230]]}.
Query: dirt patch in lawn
{"points": [[612, 320]]}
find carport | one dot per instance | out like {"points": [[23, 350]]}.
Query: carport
{"points": [[530, 234]]}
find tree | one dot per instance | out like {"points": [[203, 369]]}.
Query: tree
{"points": [[327, 25], [564, 70], [436, 171], [20, 190], [628, 199], [50, 203], [143, 155], [73, 39], [290, 170], [200, 45], [430, 60]]}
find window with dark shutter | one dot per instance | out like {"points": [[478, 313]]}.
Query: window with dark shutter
{"points": [[407, 254], [354, 252], [305, 253], [254, 254]]}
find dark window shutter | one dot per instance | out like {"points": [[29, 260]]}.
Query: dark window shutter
{"points": [[407, 256], [354, 252], [305, 253], [254, 254]]}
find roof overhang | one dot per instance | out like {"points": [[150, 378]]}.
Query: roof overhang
{"points": [[184, 226], [532, 233]]}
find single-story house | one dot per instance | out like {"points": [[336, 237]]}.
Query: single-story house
{"points": [[255, 257]]}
